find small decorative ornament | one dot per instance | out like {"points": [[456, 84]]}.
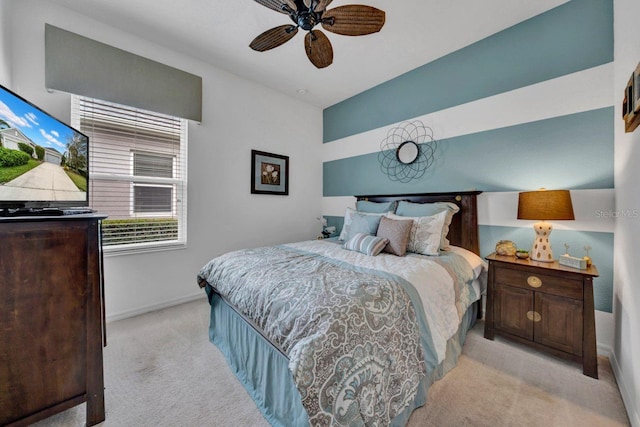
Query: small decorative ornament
{"points": [[325, 232], [570, 261], [407, 151], [587, 258], [506, 247], [522, 253]]}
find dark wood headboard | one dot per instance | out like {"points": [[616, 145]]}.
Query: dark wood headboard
{"points": [[463, 230]]}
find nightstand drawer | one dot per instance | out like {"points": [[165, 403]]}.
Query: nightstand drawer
{"points": [[539, 282]]}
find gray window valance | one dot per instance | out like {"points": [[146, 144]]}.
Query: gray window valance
{"points": [[83, 66]]}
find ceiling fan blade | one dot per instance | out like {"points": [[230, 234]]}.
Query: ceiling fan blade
{"points": [[273, 37], [353, 20], [318, 48], [319, 6], [277, 5], [322, 5]]}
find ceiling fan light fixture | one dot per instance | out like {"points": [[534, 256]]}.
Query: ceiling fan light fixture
{"points": [[307, 20], [349, 20]]}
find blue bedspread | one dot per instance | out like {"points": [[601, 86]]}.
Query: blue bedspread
{"points": [[352, 335]]}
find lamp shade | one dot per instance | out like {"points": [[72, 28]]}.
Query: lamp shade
{"points": [[545, 205]]}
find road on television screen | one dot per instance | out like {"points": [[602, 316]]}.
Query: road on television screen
{"points": [[45, 182]]}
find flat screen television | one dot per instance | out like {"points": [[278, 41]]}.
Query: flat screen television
{"points": [[43, 161]]}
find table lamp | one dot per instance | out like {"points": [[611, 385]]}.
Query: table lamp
{"points": [[542, 205]]}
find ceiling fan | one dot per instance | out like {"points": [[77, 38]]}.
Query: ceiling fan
{"points": [[349, 20]]}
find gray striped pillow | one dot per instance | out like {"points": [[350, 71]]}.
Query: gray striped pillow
{"points": [[366, 244]]}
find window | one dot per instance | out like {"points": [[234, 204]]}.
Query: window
{"points": [[152, 199], [148, 198], [137, 173]]}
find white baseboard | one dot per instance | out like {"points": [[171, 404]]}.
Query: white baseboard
{"points": [[633, 411], [605, 332], [112, 317], [604, 350]]}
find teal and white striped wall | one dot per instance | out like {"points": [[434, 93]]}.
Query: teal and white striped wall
{"points": [[529, 107]]}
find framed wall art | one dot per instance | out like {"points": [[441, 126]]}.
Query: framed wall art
{"points": [[636, 90], [627, 107], [269, 173], [631, 102]]}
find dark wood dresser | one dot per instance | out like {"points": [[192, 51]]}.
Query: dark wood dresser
{"points": [[545, 305], [51, 317]]}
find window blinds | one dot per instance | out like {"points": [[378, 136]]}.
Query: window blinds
{"points": [[137, 171]]}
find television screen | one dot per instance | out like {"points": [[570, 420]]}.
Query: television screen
{"points": [[43, 161]]}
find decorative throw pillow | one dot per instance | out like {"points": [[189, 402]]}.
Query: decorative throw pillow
{"points": [[366, 244], [359, 222], [397, 231], [406, 208], [410, 209], [375, 207], [426, 233]]}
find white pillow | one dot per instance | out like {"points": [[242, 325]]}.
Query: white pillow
{"points": [[452, 209], [426, 233], [414, 210]]}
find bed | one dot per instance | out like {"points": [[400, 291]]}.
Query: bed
{"points": [[322, 335]]}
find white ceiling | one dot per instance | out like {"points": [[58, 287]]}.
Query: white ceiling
{"points": [[219, 32]]}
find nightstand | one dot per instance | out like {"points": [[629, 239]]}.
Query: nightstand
{"points": [[545, 305]]}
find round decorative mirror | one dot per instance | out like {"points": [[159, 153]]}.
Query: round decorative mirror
{"points": [[407, 152]]}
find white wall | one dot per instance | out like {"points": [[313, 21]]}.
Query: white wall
{"points": [[5, 76], [237, 116], [627, 245]]}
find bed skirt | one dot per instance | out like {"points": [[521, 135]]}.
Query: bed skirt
{"points": [[263, 369]]}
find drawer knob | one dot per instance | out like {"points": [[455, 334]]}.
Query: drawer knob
{"points": [[534, 281], [534, 316]]}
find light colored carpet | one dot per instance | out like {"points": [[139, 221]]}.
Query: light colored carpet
{"points": [[161, 370]]}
